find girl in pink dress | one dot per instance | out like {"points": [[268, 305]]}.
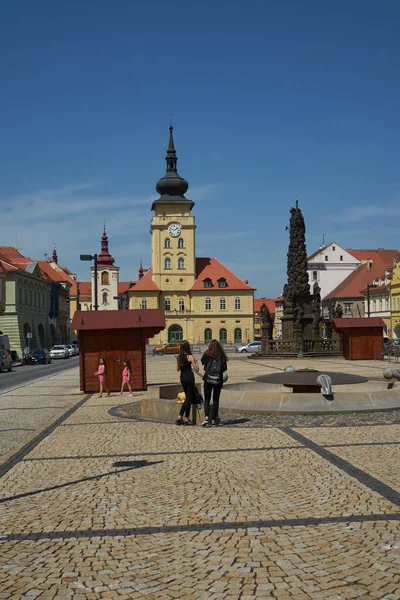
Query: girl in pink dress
{"points": [[101, 374], [126, 376]]}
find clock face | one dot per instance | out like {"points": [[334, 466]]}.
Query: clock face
{"points": [[174, 230]]}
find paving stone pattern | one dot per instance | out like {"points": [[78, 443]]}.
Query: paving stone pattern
{"points": [[105, 507]]}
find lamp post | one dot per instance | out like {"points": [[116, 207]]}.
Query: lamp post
{"points": [[93, 257], [369, 286]]}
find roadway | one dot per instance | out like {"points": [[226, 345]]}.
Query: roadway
{"points": [[23, 375]]}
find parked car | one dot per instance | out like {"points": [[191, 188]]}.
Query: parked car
{"points": [[76, 348], [59, 351], [5, 361], [71, 350], [41, 356], [167, 349], [251, 347]]}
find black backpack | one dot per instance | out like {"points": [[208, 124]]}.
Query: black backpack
{"points": [[214, 372]]}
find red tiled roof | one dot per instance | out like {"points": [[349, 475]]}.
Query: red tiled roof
{"points": [[15, 257], [211, 268], [146, 284], [270, 302], [124, 286], [380, 255], [85, 287], [153, 318], [357, 281], [6, 265]]}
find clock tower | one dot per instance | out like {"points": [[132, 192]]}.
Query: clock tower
{"points": [[173, 255]]}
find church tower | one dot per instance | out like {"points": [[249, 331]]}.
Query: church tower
{"points": [[173, 253], [107, 278]]}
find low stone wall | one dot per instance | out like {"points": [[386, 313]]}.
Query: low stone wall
{"points": [[161, 403], [258, 398]]}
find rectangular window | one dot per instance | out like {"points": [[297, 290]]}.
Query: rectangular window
{"points": [[315, 275], [341, 257], [334, 248], [326, 259], [347, 309], [208, 304]]}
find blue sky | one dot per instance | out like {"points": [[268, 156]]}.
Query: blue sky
{"points": [[270, 99]]}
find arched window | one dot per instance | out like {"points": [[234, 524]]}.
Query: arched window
{"points": [[181, 263], [223, 336], [238, 336], [237, 303], [175, 333], [181, 243], [208, 303], [167, 304], [167, 243], [105, 298], [167, 263], [143, 303], [207, 335], [222, 303], [104, 278], [181, 304]]}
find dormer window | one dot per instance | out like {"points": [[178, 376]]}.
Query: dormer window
{"points": [[207, 282], [222, 282]]}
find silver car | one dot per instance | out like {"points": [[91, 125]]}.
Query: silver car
{"points": [[251, 347], [59, 351]]}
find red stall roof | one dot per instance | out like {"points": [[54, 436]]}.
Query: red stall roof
{"points": [[86, 320], [358, 323]]}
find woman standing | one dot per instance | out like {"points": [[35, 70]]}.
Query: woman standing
{"points": [[102, 375], [184, 363], [214, 361]]}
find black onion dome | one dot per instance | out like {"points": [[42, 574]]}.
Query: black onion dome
{"points": [[172, 187]]}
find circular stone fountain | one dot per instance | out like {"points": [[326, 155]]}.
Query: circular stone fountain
{"points": [[270, 394]]}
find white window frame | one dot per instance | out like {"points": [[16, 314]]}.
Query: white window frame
{"points": [[143, 303], [207, 303], [237, 303], [222, 303]]}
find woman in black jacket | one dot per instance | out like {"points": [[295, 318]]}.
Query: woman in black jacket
{"points": [[184, 364], [214, 361]]}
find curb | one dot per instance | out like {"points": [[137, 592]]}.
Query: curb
{"points": [[35, 381]]}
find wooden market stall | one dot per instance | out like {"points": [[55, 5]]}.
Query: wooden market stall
{"points": [[115, 335], [362, 337]]}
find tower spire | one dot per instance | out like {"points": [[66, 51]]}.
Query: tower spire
{"points": [[54, 255], [172, 187], [141, 272], [105, 258]]}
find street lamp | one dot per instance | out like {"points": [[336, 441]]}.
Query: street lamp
{"points": [[369, 286], [93, 257]]}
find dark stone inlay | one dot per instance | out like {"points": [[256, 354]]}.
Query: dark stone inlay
{"points": [[221, 526], [368, 480], [134, 464], [29, 446]]}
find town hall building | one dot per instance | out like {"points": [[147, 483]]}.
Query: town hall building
{"points": [[202, 299]]}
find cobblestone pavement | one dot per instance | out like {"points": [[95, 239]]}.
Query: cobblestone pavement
{"points": [[105, 507], [28, 409]]}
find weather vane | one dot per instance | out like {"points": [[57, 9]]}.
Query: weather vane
{"points": [[170, 117]]}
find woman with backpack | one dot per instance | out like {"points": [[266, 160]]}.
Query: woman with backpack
{"points": [[185, 362], [214, 361]]}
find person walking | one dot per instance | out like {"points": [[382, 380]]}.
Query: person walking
{"points": [[184, 363], [102, 375], [214, 361], [126, 376]]}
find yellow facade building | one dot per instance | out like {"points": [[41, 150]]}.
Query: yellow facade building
{"points": [[395, 302], [202, 299]]}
